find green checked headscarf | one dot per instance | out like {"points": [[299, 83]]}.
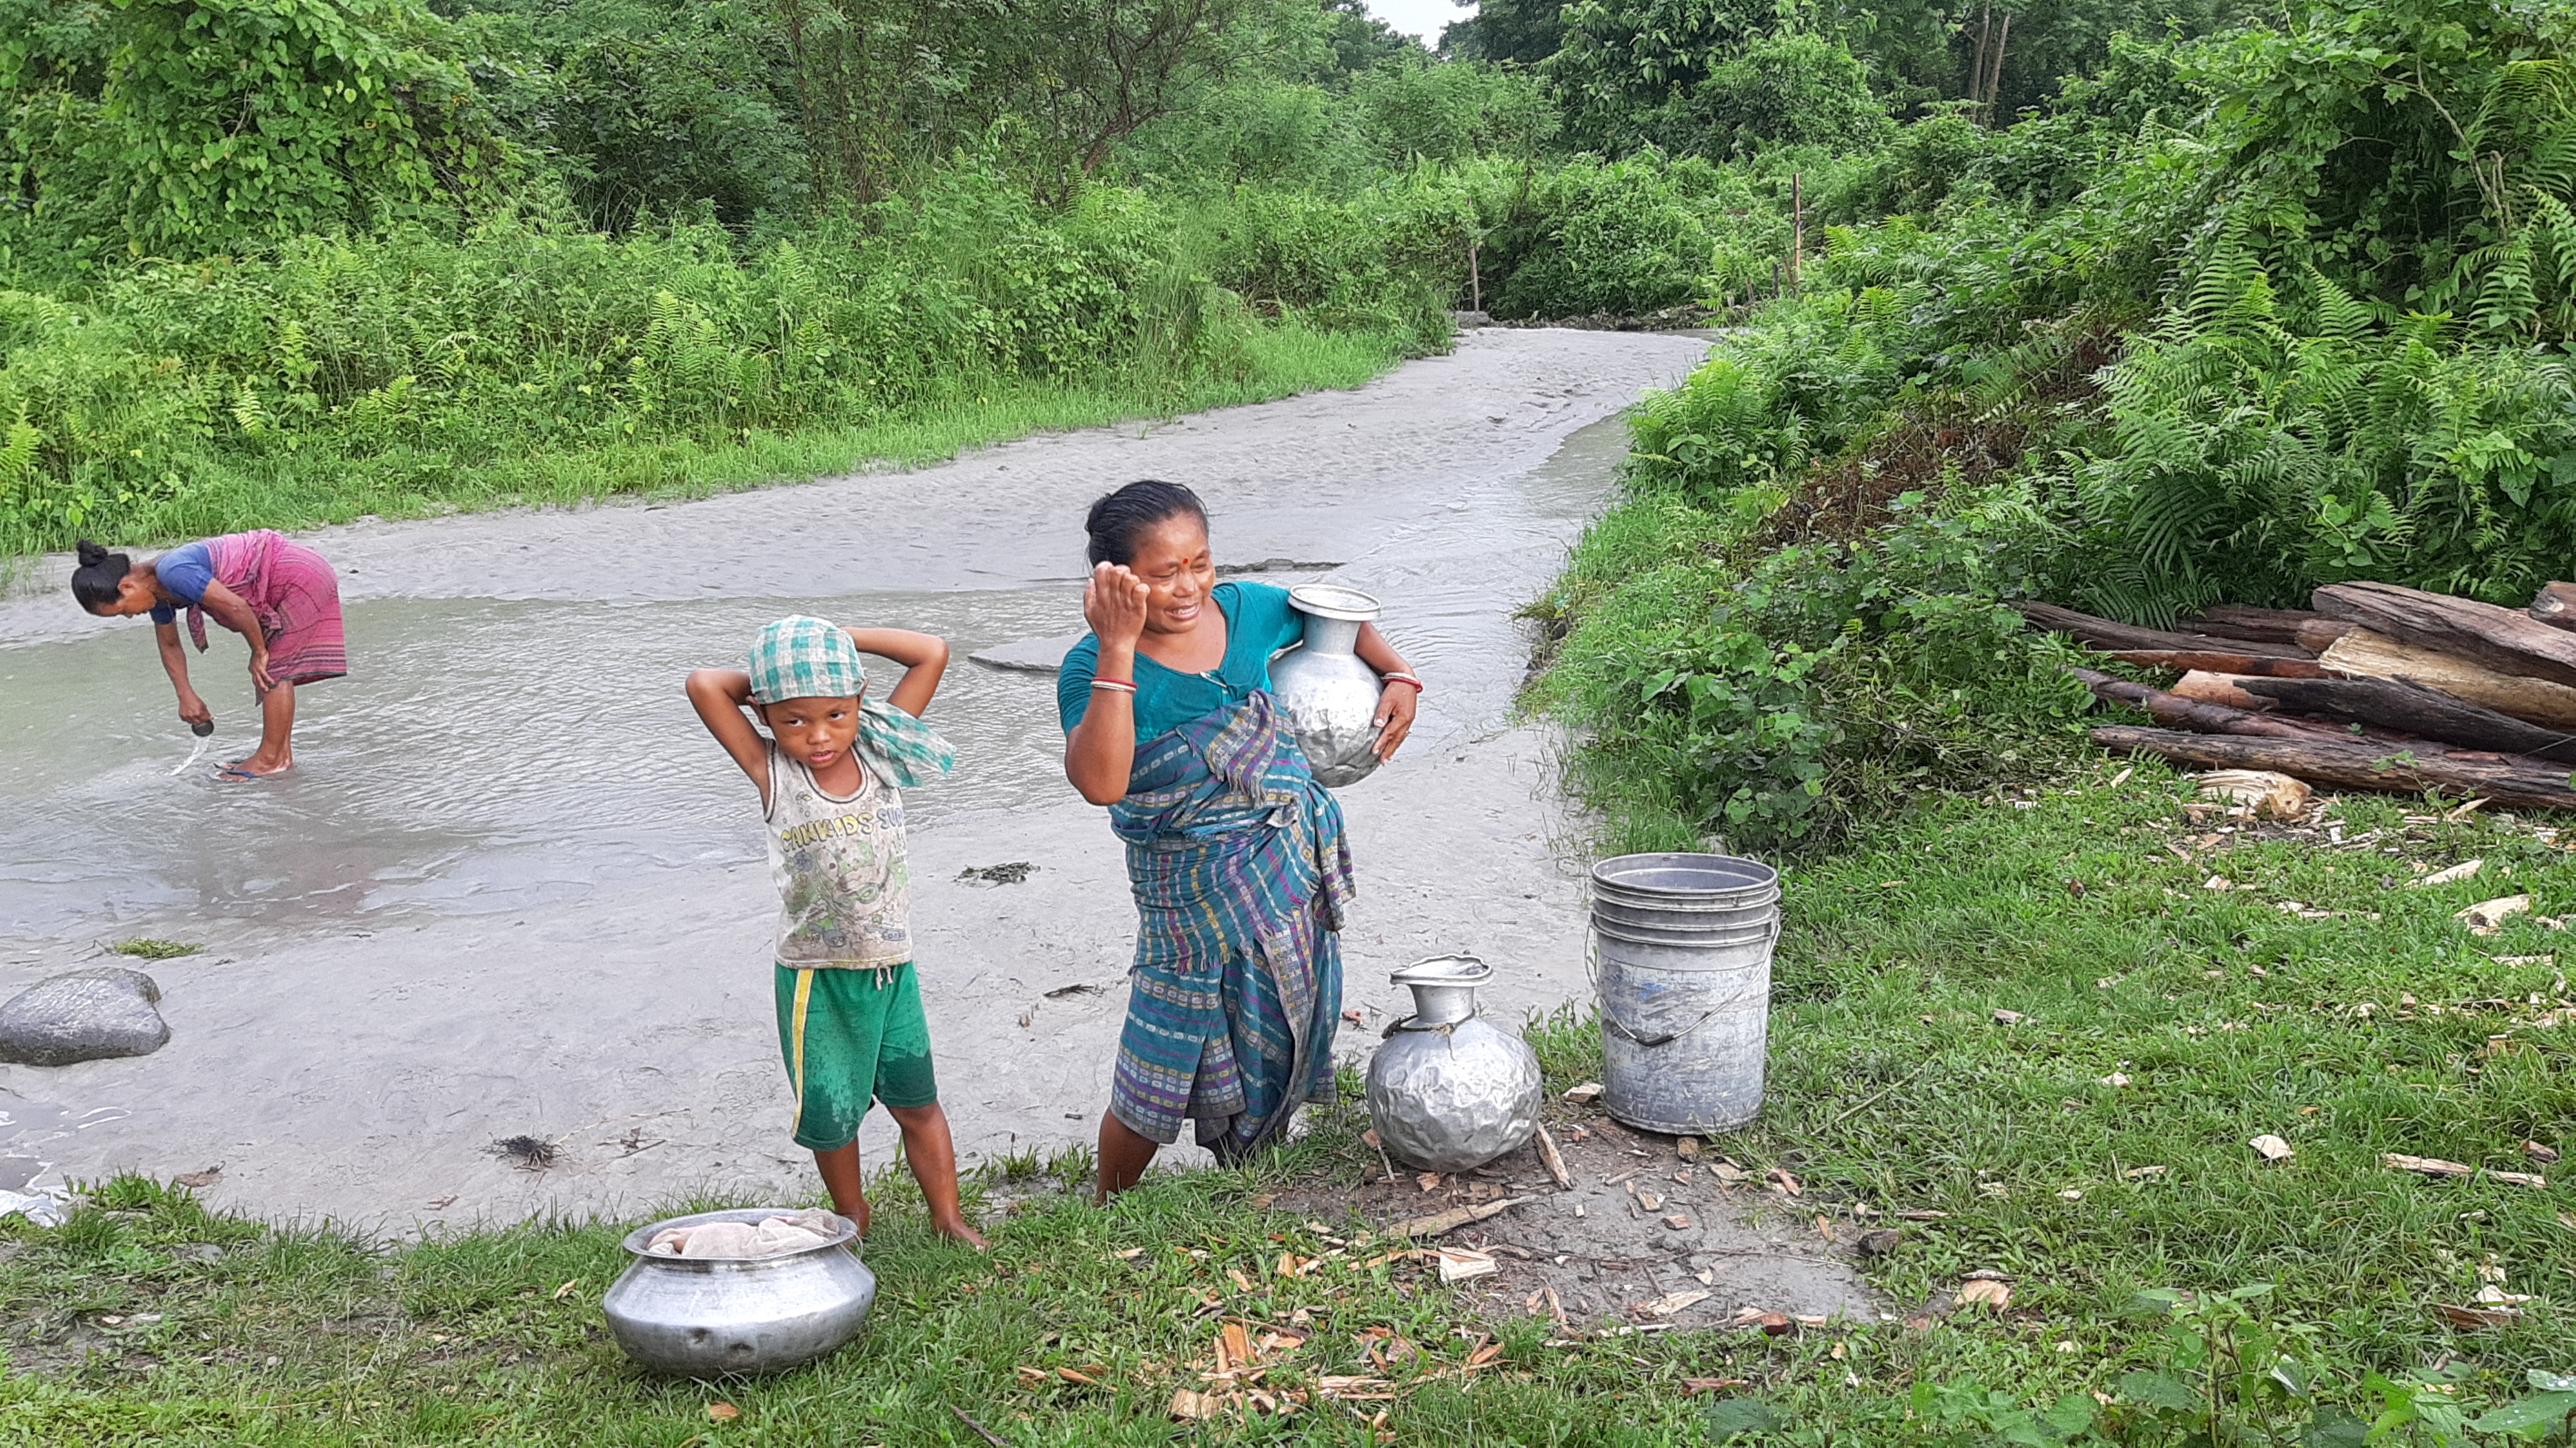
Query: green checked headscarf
{"points": [[812, 658]]}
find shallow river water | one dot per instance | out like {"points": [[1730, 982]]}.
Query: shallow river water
{"points": [[513, 889]]}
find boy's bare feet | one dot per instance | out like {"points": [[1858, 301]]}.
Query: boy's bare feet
{"points": [[957, 1229], [842, 1179], [934, 1165], [926, 1144]]}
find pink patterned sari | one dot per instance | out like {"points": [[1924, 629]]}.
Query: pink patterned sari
{"points": [[295, 596]]}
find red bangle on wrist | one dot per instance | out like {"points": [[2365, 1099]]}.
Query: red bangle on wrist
{"points": [[1401, 679]]}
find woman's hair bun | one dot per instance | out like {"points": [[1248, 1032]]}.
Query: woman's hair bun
{"points": [[1119, 520], [101, 576]]}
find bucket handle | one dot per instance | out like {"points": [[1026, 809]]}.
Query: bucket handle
{"points": [[1625, 1032], [1617, 1027]]}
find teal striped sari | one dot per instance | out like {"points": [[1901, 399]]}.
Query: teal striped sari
{"points": [[1242, 872]]}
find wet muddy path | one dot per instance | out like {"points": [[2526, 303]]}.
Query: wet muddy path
{"points": [[512, 889]]}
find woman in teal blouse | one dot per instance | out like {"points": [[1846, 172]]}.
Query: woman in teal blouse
{"points": [[1236, 855], [1258, 624]]}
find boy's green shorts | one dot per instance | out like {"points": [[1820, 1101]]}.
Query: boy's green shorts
{"points": [[849, 1040]]}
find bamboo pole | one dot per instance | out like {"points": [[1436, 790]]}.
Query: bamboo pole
{"points": [[1995, 84], [1797, 223]]}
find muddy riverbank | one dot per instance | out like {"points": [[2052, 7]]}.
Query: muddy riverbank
{"points": [[512, 889]]}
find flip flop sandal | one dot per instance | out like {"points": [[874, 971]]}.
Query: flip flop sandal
{"points": [[230, 771]]}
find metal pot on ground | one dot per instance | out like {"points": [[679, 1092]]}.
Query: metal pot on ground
{"points": [[1683, 946], [706, 1317], [1450, 1090]]}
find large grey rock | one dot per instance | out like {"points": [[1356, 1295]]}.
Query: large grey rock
{"points": [[83, 1015]]}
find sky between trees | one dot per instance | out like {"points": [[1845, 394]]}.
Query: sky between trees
{"points": [[1420, 17]]}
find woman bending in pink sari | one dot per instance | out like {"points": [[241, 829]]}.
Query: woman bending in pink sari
{"points": [[282, 597]]}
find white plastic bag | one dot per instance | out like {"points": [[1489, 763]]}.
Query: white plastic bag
{"points": [[36, 1207]]}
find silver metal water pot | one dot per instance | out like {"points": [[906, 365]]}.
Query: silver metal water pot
{"points": [[1449, 1089], [705, 1317], [1326, 695]]}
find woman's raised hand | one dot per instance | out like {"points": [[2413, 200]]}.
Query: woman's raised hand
{"points": [[1114, 605]]}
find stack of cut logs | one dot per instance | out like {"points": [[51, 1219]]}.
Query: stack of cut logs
{"points": [[2380, 687]]}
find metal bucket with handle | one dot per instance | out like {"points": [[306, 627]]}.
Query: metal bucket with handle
{"points": [[1682, 958]]}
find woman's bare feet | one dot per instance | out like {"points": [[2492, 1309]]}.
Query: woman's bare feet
{"points": [[1125, 1152], [276, 751]]}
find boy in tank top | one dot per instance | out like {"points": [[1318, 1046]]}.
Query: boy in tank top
{"points": [[849, 1006]]}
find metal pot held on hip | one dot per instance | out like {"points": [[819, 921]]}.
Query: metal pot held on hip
{"points": [[1450, 1090], [1327, 695], [705, 1317]]}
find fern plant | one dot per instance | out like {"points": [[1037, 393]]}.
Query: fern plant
{"points": [[2268, 439]]}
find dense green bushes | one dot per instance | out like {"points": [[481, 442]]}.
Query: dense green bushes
{"points": [[1349, 134], [273, 261], [1720, 81], [1753, 666], [179, 127], [280, 260], [375, 282], [412, 252], [414, 367], [1635, 235], [660, 110], [2289, 308], [2256, 455], [1765, 697]]}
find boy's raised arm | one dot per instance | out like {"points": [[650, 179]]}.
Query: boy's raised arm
{"points": [[924, 658], [720, 696]]}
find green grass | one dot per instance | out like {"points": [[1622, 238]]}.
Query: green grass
{"points": [[1894, 1086], [146, 948], [303, 1337], [2383, 1027], [304, 490]]}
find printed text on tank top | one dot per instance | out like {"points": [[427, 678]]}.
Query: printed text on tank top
{"points": [[839, 863]]}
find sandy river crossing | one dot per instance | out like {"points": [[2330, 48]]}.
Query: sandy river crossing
{"points": [[512, 888]]}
